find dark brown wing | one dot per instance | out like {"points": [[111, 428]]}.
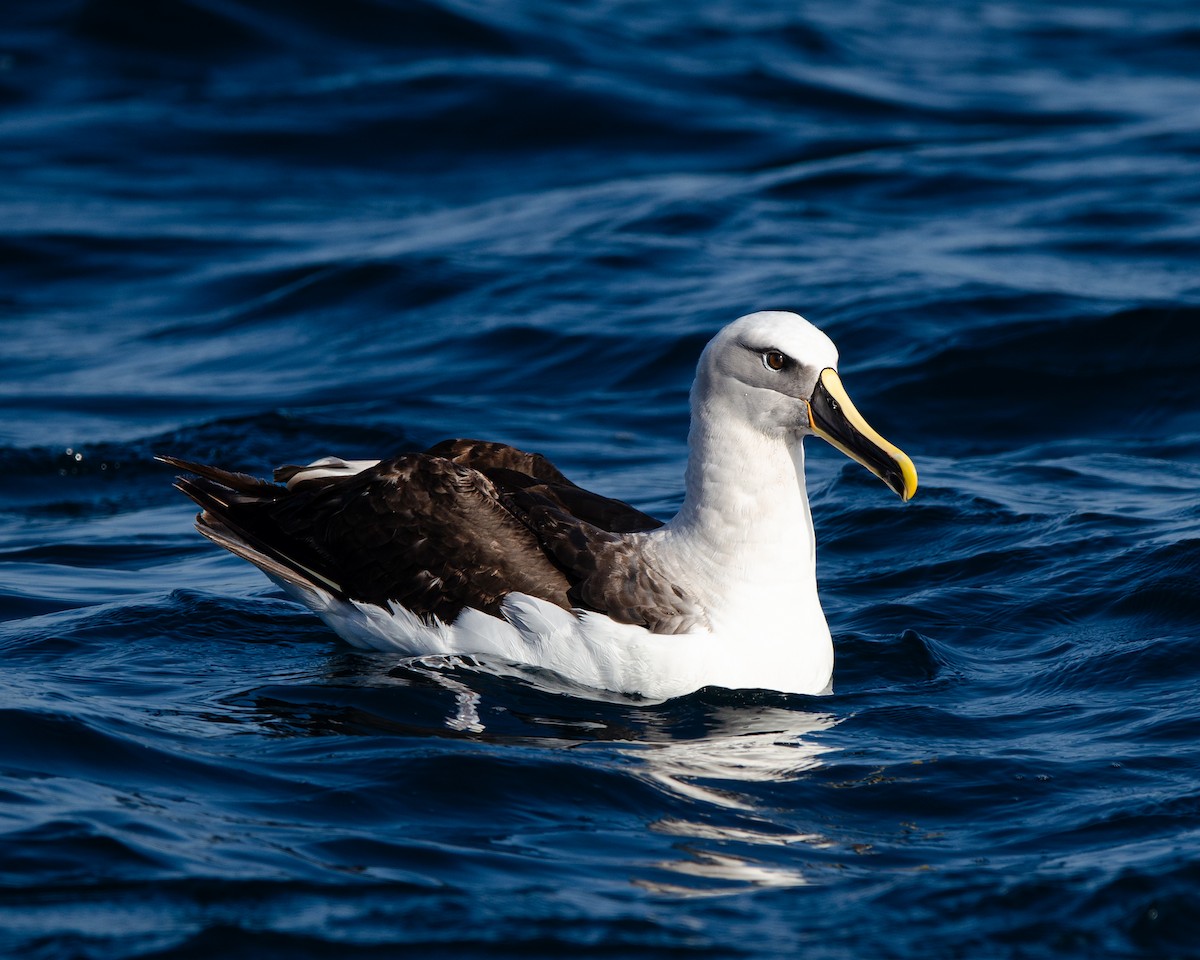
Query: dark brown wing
{"points": [[512, 469], [463, 524], [582, 532], [609, 572], [418, 530], [485, 455]]}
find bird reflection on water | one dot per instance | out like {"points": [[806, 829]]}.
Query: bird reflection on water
{"points": [[716, 766]]}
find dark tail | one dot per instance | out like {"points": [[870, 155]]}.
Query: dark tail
{"points": [[235, 514]]}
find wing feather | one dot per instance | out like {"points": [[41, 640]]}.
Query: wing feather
{"points": [[512, 469], [461, 525], [420, 531]]}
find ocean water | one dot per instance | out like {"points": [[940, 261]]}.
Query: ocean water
{"points": [[256, 231]]}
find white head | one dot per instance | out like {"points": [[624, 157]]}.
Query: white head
{"points": [[765, 366], [777, 373]]}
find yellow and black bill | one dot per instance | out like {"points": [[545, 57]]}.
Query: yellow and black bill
{"points": [[834, 418]]}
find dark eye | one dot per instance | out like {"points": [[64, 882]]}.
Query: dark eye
{"points": [[774, 360]]}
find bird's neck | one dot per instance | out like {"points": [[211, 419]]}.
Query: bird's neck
{"points": [[742, 548], [745, 513]]}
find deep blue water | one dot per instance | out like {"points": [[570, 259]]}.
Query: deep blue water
{"points": [[257, 231]]}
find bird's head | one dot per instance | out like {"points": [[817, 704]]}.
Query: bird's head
{"points": [[778, 373]]}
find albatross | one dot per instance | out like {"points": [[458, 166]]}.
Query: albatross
{"points": [[479, 549]]}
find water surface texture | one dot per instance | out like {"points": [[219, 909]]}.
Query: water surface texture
{"points": [[257, 231]]}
